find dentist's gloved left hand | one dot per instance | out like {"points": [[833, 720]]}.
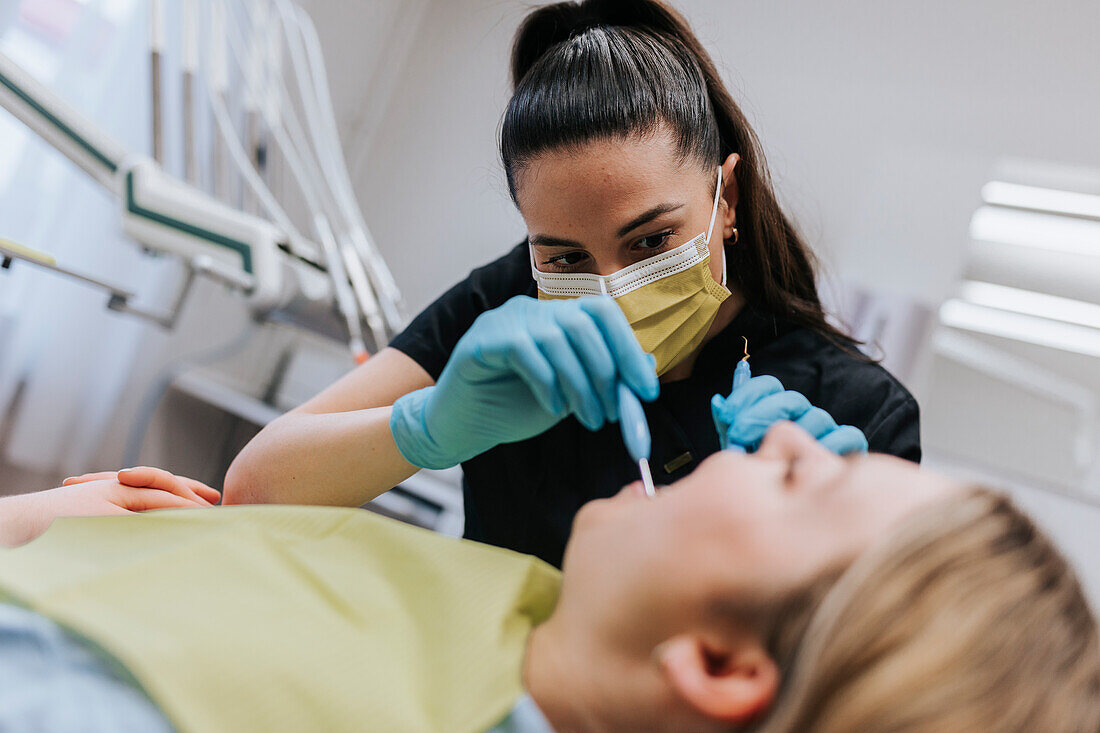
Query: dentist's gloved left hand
{"points": [[518, 371], [755, 404]]}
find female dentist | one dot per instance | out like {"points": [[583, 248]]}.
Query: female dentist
{"points": [[656, 246]]}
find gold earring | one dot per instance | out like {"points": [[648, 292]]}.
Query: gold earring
{"points": [[736, 236]]}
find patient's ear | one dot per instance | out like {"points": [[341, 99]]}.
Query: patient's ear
{"points": [[732, 682]]}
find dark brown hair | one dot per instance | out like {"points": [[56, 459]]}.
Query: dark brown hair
{"points": [[613, 68]]}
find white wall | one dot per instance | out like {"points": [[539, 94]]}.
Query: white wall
{"points": [[366, 46], [431, 185], [881, 121]]}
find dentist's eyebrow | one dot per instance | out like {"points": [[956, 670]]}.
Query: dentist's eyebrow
{"points": [[545, 240], [648, 217]]}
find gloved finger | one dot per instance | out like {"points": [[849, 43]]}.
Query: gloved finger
{"points": [[844, 440], [86, 477], [749, 426], [816, 422], [524, 358], [595, 357], [500, 345], [580, 398], [556, 347], [750, 393], [635, 366], [157, 478], [717, 405]]}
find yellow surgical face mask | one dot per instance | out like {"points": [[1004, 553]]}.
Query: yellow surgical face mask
{"points": [[670, 299]]}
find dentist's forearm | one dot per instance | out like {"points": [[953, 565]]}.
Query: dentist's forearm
{"points": [[335, 449], [338, 459]]}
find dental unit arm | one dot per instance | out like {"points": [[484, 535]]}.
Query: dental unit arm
{"points": [[281, 275]]}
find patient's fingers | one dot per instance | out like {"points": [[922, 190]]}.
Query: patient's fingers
{"points": [[86, 477], [146, 499], [209, 493], [146, 477], [157, 478]]}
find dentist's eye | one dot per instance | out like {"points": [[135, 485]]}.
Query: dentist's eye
{"points": [[655, 241], [566, 261]]}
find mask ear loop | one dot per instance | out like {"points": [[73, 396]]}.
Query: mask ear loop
{"points": [[534, 269], [713, 217]]}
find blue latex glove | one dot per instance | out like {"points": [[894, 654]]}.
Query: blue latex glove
{"points": [[757, 403], [517, 372]]}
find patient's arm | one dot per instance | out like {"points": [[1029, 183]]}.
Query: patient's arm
{"points": [[25, 516], [145, 477]]}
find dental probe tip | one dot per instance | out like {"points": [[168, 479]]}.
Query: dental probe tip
{"points": [[647, 478]]}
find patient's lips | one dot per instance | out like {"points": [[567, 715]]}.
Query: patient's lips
{"points": [[630, 492]]}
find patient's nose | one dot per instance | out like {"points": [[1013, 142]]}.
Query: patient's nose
{"points": [[785, 440]]}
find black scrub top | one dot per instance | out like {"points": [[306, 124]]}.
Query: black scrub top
{"points": [[523, 496]]}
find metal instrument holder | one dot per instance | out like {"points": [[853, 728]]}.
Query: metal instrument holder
{"points": [[120, 299]]}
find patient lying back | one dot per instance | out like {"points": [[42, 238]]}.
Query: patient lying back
{"points": [[787, 590]]}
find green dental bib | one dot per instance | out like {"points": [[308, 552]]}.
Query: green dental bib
{"points": [[293, 618]]}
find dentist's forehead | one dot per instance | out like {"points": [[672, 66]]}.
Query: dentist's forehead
{"points": [[601, 174]]}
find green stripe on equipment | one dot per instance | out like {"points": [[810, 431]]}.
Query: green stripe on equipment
{"points": [[69, 132], [241, 248]]}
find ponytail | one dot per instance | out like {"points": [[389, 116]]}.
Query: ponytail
{"points": [[552, 24], [612, 68]]}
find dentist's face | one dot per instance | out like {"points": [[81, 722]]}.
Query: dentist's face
{"points": [[610, 203], [752, 527]]}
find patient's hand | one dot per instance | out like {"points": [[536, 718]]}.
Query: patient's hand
{"points": [[25, 516], [154, 478]]}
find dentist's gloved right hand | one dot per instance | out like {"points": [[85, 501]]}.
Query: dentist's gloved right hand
{"points": [[517, 372], [757, 403]]}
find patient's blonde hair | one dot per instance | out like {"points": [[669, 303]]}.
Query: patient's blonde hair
{"points": [[968, 619]]}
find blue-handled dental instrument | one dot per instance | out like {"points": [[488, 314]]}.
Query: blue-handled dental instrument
{"points": [[636, 434], [741, 374]]}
